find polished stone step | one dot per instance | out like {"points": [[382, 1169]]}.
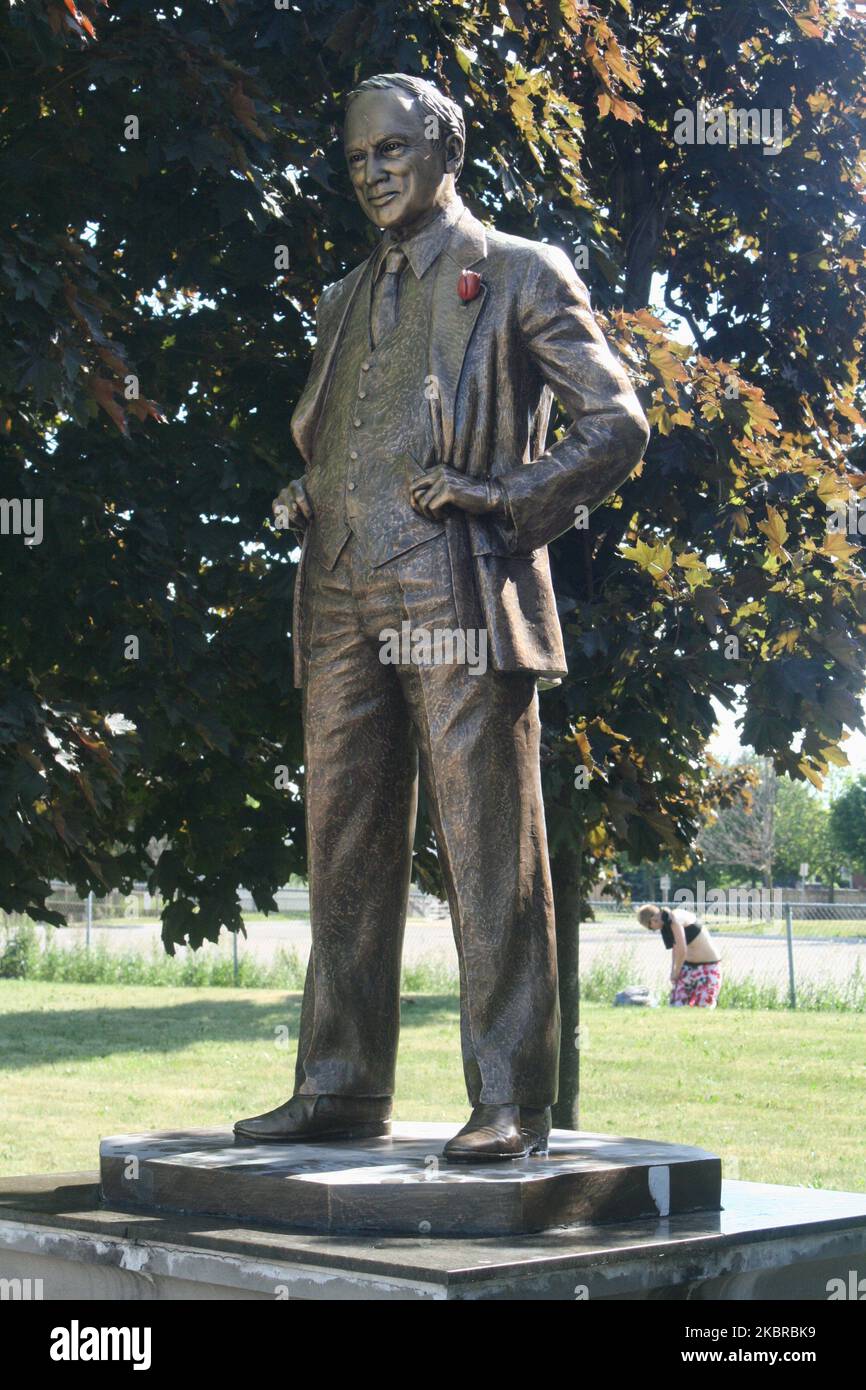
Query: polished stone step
{"points": [[399, 1184]]}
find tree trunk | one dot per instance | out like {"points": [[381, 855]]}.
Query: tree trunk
{"points": [[566, 869]]}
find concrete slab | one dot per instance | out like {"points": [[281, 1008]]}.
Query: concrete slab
{"points": [[766, 1242]]}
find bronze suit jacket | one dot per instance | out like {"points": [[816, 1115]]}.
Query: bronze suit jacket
{"points": [[494, 365]]}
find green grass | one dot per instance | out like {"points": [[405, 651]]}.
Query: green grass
{"points": [[22, 958], [782, 1097], [615, 968]]}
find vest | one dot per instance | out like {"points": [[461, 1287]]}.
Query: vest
{"points": [[374, 433]]}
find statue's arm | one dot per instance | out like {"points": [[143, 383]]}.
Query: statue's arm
{"points": [[293, 500], [292, 506], [609, 431], [323, 305]]}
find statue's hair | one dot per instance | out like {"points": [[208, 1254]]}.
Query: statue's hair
{"points": [[429, 98]]}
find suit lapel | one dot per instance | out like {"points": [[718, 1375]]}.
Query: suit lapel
{"points": [[452, 325], [309, 408]]}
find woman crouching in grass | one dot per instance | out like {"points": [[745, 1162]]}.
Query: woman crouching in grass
{"points": [[696, 976]]}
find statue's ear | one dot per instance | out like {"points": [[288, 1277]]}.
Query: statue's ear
{"points": [[453, 155]]}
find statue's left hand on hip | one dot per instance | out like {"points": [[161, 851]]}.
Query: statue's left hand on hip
{"points": [[444, 487]]}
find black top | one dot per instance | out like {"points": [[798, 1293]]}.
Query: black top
{"points": [[668, 936]]}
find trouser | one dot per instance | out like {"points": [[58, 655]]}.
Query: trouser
{"points": [[368, 723]]}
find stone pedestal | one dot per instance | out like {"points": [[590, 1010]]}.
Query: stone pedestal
{"points": [[196, 1216], [58, 1241], [399, 1185]]}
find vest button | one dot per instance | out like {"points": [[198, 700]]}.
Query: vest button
{"points": [[351, 487], [365, 366], [362, 395], [356, 422], [353, 455]]}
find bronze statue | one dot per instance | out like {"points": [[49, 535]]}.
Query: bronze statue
{"points": [[427, 505]]}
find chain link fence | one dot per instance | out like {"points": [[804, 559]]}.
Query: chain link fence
{"points": [[773, 954]]}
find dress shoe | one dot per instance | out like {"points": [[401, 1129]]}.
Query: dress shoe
{"points": [[535, 1125], [499, 1132], [319, 1117]]}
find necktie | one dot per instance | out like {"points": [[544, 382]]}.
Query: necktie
{"points": [[383, 314]]}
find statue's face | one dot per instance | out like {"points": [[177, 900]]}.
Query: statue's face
{"points": [[398, 169]]}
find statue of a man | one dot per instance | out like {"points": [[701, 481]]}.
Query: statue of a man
{"points": [[427, 505]]}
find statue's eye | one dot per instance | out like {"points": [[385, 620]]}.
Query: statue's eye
{"points": [[390, 146]]}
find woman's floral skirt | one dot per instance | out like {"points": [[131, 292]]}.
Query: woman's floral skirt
{"points": [[698, 986]]}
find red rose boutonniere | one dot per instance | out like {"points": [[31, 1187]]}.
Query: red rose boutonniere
{"points": [[469, 285]]}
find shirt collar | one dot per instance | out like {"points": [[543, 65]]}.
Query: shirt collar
{"points": [[425, 246]]}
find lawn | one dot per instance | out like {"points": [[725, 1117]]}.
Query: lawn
{"points": [[782, 1097]]}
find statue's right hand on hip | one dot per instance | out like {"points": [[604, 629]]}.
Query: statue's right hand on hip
{"points": [[291, 507]]}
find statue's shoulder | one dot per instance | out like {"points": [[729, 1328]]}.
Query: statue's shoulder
{"points": [[334, 295], [523, 253]]}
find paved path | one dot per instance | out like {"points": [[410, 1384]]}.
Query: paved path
{"points": [[763, 958]]}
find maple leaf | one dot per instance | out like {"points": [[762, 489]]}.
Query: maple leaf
{"points": [[655, 559], [104, 392], [245, 111], [836, 546], [625, 110], [776, 531], [808, 25]]}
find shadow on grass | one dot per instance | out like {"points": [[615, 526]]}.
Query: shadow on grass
{"points": [[35, 1039]]}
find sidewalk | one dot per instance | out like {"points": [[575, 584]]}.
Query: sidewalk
{"points": [[760, 957]]}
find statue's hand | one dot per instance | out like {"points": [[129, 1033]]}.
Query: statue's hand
{"points": [[292, 507], [444, 487]]}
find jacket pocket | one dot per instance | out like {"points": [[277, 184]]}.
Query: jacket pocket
{"points": [[489, 537]]}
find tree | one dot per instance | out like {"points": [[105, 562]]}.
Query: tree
{"points": [[848, 823], [803, 836], [177, 199], [742, 839], [778, 826]]}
